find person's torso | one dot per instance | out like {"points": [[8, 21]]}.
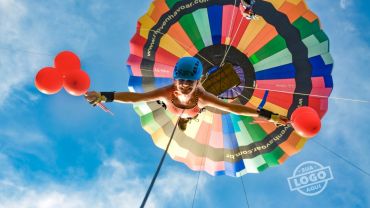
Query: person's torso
{"points": [[189, 111], [184, 112]]}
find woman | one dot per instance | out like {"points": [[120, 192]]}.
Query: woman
{"points": [[185, 97]]}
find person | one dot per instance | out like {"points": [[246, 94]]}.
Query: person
{"points": [[185, 98], [246, 7]]}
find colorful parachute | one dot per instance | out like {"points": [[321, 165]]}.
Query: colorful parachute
{"points": [[282, 60]]}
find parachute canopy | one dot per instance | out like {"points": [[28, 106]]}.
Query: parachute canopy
{"points": [[281, 61]]}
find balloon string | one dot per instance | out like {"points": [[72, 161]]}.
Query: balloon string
{"points": [[104, 108], [305, 94]]}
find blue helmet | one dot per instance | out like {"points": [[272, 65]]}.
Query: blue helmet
{"points": [[188, 68]]}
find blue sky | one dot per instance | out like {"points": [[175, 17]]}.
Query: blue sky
{"points": [[57, 151]]}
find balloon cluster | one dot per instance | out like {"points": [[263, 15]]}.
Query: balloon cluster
{"points": [[66, 73]]}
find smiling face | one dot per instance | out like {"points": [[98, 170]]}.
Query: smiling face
{"points": [[185, 87]]}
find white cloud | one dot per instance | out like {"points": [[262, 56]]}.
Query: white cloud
{"points": [[351, 52], [344, 3], [17, 68], [31, 35], [116, 185], [26, 140], [345, 124], [345, 127]]}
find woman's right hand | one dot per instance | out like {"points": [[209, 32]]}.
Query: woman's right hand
{"points": [[93, 97]]}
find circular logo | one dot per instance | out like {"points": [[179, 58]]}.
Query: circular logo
{"points": [[310, 178]]}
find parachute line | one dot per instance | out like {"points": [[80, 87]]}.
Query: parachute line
{"points": [[342, 158], [200, 172], [305, 94], [231, 23], [159, 165], [245, 192], [196, 188], [232, 40]]}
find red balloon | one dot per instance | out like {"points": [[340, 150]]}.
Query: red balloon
{"points": [[48, 80], [66, 62], [77, 83], [306, 121]]}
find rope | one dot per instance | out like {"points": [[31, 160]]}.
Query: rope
{"points": [[228, 48], [342, 158], [237, 30], [305, 94], [159, 166], [245, 192], [231, 24], [296, 93], [200, 171], [196, 188]]}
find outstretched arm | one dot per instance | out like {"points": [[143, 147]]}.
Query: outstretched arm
{"points": [[133, 97], [212, 101], [126, 97]]}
